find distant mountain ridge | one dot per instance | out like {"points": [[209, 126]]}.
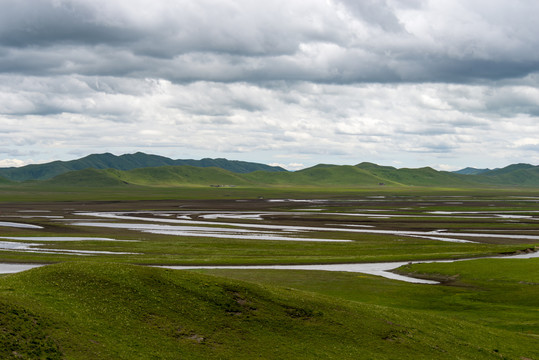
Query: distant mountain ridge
{"points": [[123, 162], [471, 171], [494, 172], [324, 176], [153, 170]]}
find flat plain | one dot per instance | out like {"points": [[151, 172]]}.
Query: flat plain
{"points": [[101, 295]]}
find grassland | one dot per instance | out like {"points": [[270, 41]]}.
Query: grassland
{"points": [[498, 293], [112, 311], [109, 306]]}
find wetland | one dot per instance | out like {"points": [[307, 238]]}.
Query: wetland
{"points": [[425, 262]]}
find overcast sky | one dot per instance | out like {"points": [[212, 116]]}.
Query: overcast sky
{"points": [[406, 83]]}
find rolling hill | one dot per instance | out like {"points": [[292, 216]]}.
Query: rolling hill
{"points": [[77, 310], [180, 175], [514, 175], [123, 162], [508, 169], [158, 176], [317, 176], [152, 170], [416, 177], [327, 176], [4, 181]]}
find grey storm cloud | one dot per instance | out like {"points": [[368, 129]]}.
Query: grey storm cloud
{"points": [[375, 13], [339, 41]]}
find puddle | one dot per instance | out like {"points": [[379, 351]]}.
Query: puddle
{"points": [[431, 235], [298, 200], [53, 238], [446, 236], [15, 268], [353, 225], [232, 216], [379, 269], [19, 225], [510, 216], [204, 231], [36, 247], [40, 216], [437, 238], [382, 269]]}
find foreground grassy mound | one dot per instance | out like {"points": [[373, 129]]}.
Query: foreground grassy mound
{"points": [[110, 311], [498, 293]]}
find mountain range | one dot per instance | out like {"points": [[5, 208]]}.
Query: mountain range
{"points": [[123, 162], [152, 170]]}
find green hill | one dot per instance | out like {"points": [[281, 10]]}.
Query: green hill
{"points": [[416, 177], [508, 169], [86, 178], [327, 176], [158, 176], [181, 175], [110, 311], [520, 176], [319, 175], [343, 175], [514, 175], [4, 181], [123, 162]]}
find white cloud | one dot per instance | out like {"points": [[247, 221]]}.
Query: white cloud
{"points": [[326, 122], [445, 167], [289, 166], [12, 163]]}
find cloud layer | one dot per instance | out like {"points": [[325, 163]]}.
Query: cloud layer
{"points": [[410, 82]]}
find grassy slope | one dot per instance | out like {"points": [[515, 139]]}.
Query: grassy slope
{"points": [[499, 293], [4, 181], [85, 178], [338, 176], [159, 176], [528, 176], [418, 177], [181, 175], [333, 176], [509, 286], [508, 169], [89, 311]]}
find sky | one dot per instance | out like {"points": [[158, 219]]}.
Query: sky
{"points": [[404, 83]]}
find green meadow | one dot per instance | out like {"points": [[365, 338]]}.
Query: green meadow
{"points": [[99, 299]]}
